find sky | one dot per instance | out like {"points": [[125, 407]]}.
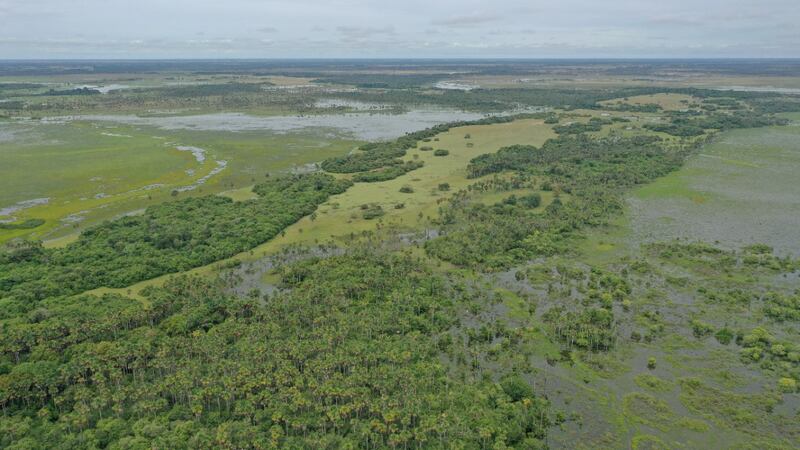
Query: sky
{"points": [[72, 29]]}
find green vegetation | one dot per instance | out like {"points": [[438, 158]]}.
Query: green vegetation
{"points": [[507, 295], [201, 369], [27, 224], [593, 171], [167, 238]]}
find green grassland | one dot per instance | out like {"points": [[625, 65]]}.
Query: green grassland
{"points": [[97, 171]]}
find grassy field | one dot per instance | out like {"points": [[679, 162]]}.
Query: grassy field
{"points": [[93, 171], [82, 168]]}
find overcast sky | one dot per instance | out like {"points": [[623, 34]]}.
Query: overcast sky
{"points": [[398, 28]]}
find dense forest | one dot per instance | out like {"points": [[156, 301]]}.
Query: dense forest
{"points": [[337, 362]]}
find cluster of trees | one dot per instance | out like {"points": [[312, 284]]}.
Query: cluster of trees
{"points": [[594, 171], [167, 238], [686, 126], [387, 173], [594, 124], [348, 357], [760, 346], [590, 328], [76, 91], [491, 236], [748, 259], [369, 157], [588, 322], [782, 307], [564, 148]]}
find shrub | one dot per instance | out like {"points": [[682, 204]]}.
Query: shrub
{"points": [[701, 329], [531, 201], [787, 385], [441, 152], [516, 388], [724, 336], [372, 212]]}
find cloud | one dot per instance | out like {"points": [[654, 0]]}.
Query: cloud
{"points": [[469, 20], [386, 28], [351, 33], [674, 20]]}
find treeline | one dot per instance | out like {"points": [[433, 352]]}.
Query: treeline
{"points": [[505, 99], [686, 126], [167, 238], [205, 90], [348, 358], [381, 81], [499, 99], [76, 91]]}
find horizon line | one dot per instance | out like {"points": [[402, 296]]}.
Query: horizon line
{"points": [[419, 58]]}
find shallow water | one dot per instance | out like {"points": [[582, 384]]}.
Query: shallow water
{"points": [[740, 190], [366, 126], [198, 153], [351, 104], [105, 89], [454, 86], [6, 134], [6, 212], [221, 165]]}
